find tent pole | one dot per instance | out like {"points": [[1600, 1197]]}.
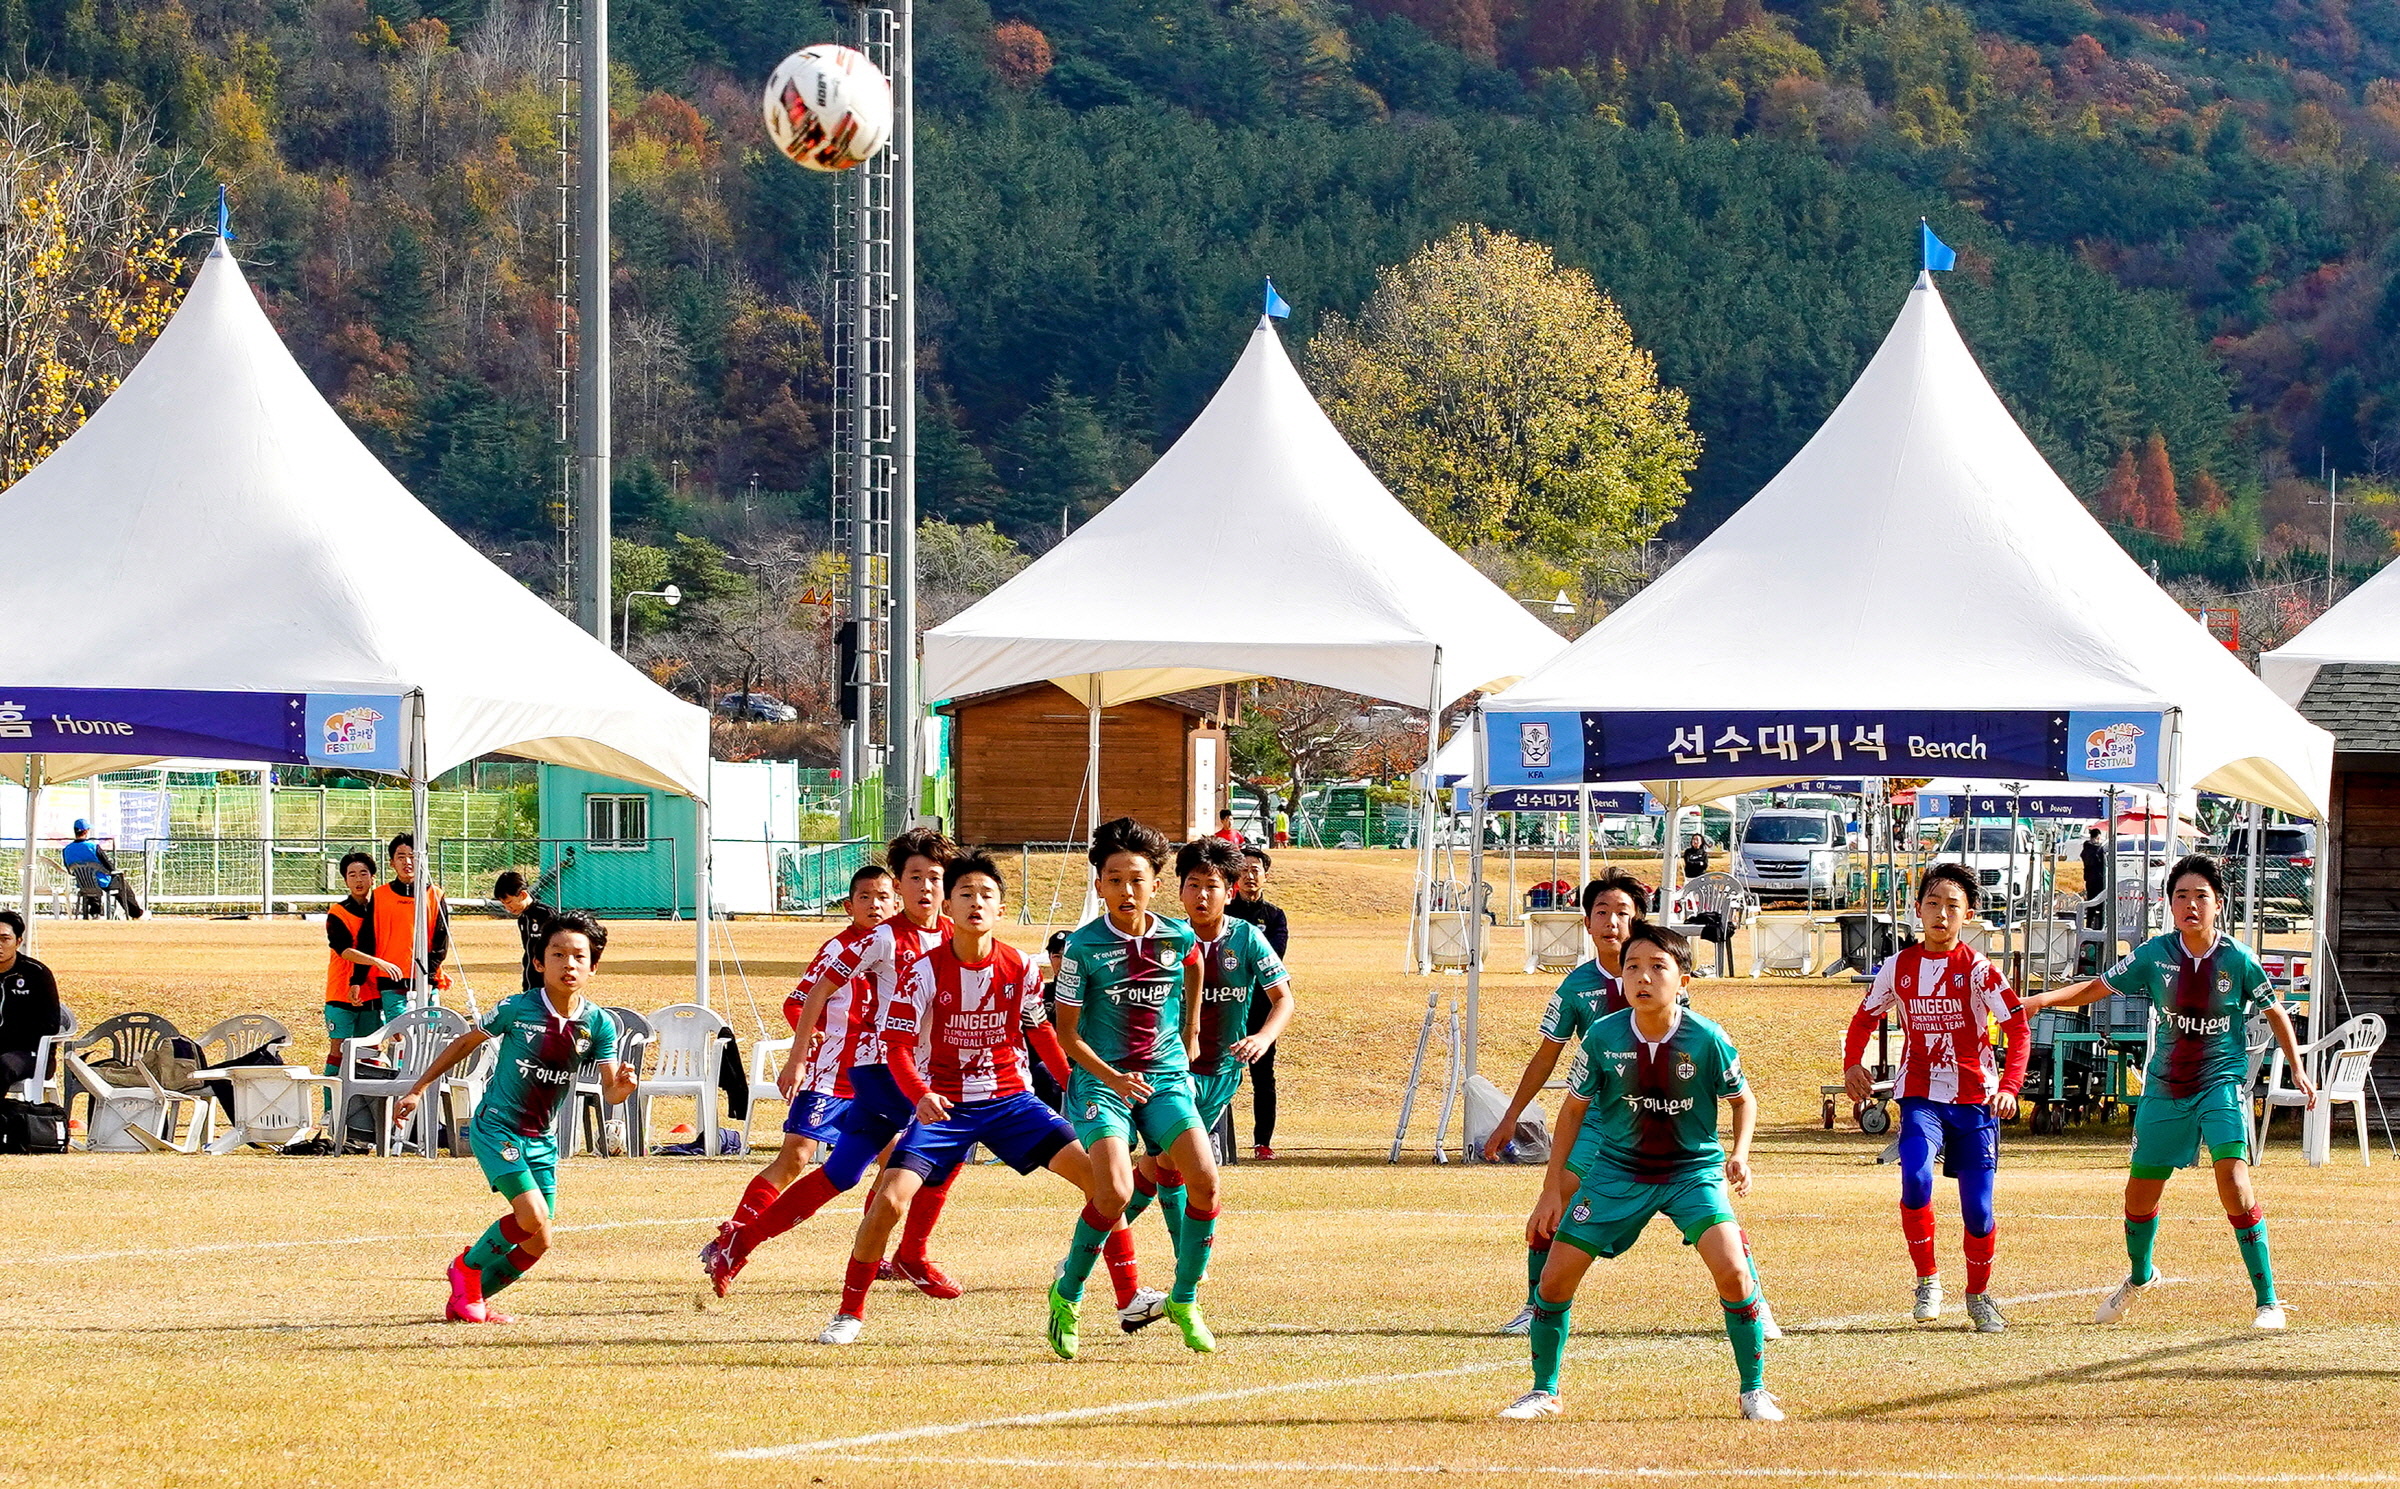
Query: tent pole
{"points": [[25, 865], [1475, 909], [2108, 887], [1091, 800], [1583, 839], [2253, 828], [266, 842], [420, 980], [1429, 807], [701, 849]]}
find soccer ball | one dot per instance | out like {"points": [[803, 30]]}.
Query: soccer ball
{"points": [[828, 107]]}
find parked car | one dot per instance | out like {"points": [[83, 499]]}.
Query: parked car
{"points": [[2287, 866], [1998, 854], [1793, 852], [757, 708]]}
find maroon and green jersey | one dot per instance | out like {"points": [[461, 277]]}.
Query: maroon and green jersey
{"points": [[2204, 1004], [1653, 1112], [1130, 992], [1236, 969], [539, 1056]]}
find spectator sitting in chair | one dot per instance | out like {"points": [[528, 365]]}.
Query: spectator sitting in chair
{"points": [[84, 851], [28, 1004], [533, 922]]}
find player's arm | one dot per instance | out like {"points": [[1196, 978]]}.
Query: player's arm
{"points": [[1280, 1009], [900, 1054], [1745, 1121], [787, 1078], [1558, 1182], [830, 974], [1192, 993], [2281, 1023], [337, 935], [2073, 995], [617, 1082], [1132, 1087], [1529, 1086], [449, 1059], [1858, 1082], [1033, 1020]]}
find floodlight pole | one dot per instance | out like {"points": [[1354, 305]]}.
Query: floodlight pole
{"points": [[902, 796], [592, 330]]}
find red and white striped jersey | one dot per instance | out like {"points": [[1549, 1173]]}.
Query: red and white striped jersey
{"points": [[883, 958], [966, 1021], [828, 1068], [1946, 1006]]}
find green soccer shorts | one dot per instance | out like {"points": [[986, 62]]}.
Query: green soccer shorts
{"points": [[1098, 1112], [513, 1163], [2168, 1131], [1213, 1094], [1608, 1213], [358, 1020]]}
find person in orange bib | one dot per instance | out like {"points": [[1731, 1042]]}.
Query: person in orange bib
{"points": [[355, 1005], [394, 915]]}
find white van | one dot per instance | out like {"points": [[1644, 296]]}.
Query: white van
{"points": [[1999, 854], [1793, 852]]}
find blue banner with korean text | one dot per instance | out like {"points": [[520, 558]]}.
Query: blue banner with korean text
{"points": [[1551, 749], [2047, 807], [1566, 799]]}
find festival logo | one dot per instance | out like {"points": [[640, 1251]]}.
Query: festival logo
{"points": [[350, 731], [2112, 747], [1533, 744]]}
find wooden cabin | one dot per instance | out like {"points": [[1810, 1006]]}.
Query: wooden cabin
{"points": [[2359, 849], [1017, 764]]}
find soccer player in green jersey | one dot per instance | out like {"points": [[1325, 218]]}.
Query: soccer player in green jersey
{"points": [[545, 1037], [2204, 986], [1590, 992], [1637, 1137], [1128, 1009]]}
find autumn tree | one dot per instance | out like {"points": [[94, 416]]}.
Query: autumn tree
{"points": [[2208, 496], [2121, 501], [87, 270], [1503, 399], [2160, 503], [1297, 734]]}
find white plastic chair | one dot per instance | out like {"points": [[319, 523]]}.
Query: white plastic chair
{"points": [[46, 1070], [201, 1124], [410, 1043], [1782, 945], [1723, 896], [633, 1038], [1554, 940], [766, 1058], [121, 1116], [2343, 1059], [1446, 939], [683, 1053]]}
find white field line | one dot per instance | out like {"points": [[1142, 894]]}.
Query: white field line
{"points": [[452, 1235], [1880, 1475], [834, 1446]]}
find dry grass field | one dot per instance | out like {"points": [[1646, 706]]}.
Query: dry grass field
{"points": [[270, 1321]]}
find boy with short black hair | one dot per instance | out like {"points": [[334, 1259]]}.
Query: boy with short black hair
{"points": [[532, 916], [1250, 904], [1952, 1089], [29, 1011], [2204, 986], [395, 922], [1637, 1137], [545, 1038], [356, 1002]]}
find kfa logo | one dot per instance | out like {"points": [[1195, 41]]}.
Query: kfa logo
{"points": [[1533, 745]]}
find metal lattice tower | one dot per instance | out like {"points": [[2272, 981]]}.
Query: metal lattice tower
{"points": [[864, 426], [563, 296]]}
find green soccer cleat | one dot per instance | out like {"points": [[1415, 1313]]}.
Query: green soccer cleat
{"points": [[1061, 1332], [1186, 1317]]}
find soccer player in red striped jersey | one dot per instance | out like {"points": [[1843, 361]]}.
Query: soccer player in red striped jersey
{"points": [[1953, 1091], [872, 968], [952, 1045], [815, 1077]]}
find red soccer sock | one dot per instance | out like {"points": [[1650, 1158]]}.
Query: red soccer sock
{"points": [[924, 1212], [1117, 1251], [856, 1279], [805, 1198], [1917, 1225], [755, 1198], [1979, 1259]]}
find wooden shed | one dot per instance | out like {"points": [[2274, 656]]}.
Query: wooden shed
{"points": [[2359, 851], [1017, 764]]}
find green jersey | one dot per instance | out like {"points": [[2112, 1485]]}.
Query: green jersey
{"points": [[2204, 1005], [1129, 990], [1236, 969], [1585, 996], [540, 1054], [1653, 1116]]}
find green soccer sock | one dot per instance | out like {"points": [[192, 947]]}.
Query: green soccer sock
{"points": [[2250, 1233], [1549, 1342], [1091, 1233], [1192, 1246], [2141, 1244], [1173, 1206], [1145, 1194], [1745, 1326], [1536, 1258], [495, 1243]]}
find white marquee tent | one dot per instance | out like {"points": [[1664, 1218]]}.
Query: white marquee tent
{"points": [[2364, 627], [214, 565]]}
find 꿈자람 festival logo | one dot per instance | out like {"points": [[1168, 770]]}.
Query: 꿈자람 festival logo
{"points": [[2112, 747], [351, 731], [1533, 744]]}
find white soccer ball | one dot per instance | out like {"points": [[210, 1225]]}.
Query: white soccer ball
{"points": [[828, 107]]}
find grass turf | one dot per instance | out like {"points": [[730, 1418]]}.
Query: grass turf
{"points": [[261, 1320]]}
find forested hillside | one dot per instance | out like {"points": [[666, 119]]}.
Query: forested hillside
{"points": [[2176, 226]]}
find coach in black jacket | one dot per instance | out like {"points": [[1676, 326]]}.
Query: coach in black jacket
{"points": [[28, 1003]]}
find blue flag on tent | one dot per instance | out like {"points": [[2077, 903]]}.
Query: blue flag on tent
{"points": [[1277, 305], [1938, 255], [224, 217]]}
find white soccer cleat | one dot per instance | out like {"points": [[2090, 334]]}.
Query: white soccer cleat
{"points": [[1929, 1300], [2114, 1305], [843, 1330], [1767, 1327], [1534, 1404], [1149, 1305], [1521, 1325], [2270, 1316], [1984, 1310], [1761, 1406]]}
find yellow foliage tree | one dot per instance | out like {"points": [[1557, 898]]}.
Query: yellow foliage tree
{"points": [[1503, 399], [87, 275]]}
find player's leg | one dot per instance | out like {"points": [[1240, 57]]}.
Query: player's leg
{"points": [[1971, 1155], [2166, 1132], [1171, 1119], [893, 1190], [510, 1246], [1105, 1130], [1920, 1141], [2227, 1135], [910, 1261], [1574, 1248], [1720, 1248], [1074, 1165], [1262, 1095], [864, 1127]]}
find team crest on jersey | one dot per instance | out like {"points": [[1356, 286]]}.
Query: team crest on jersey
{"points": [[2224, 982], [510, 1154], [1684, 1069], [1233, 963], [1091, 1111], [1583, 1211]]}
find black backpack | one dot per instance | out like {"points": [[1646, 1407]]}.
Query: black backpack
{"points": [[32, 1127]]}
